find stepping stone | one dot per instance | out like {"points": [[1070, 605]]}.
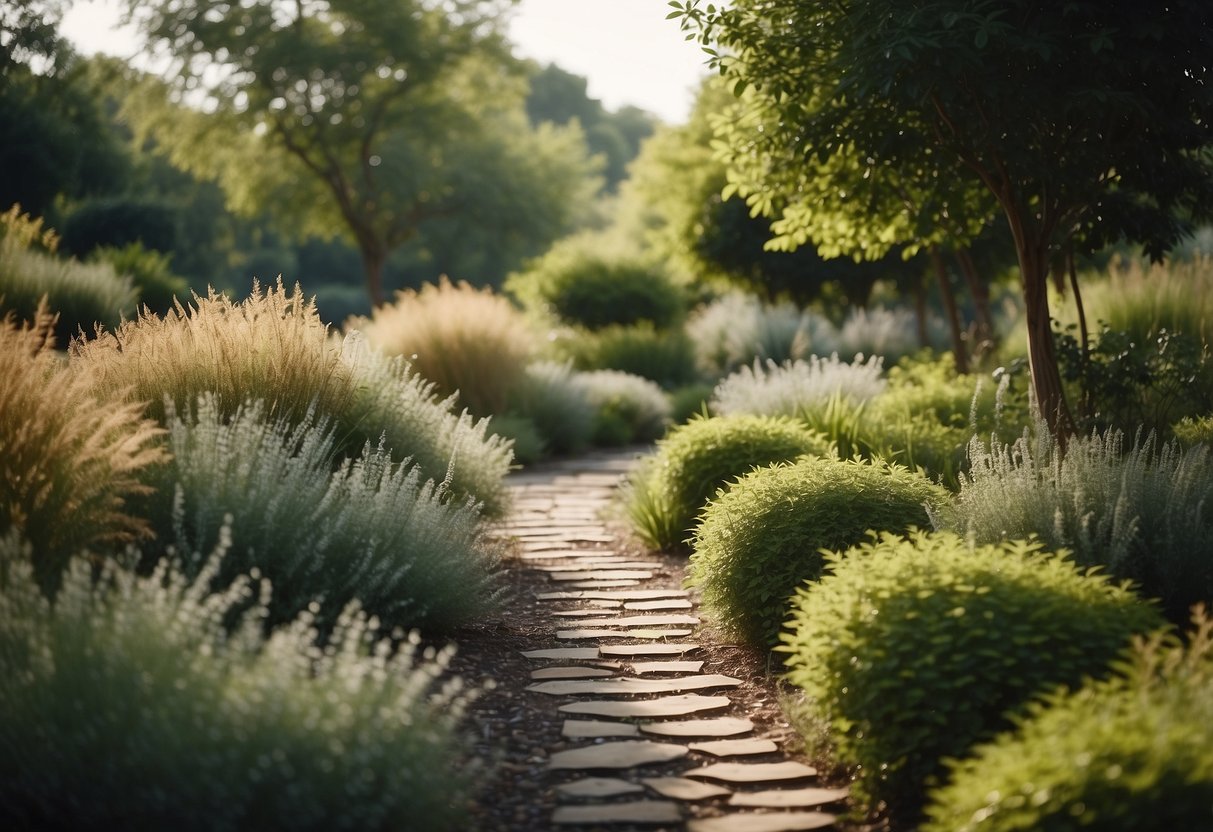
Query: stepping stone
{"points": [[781, 822], [603, 575], [543, 545], [754, 772], [593, 728], [643, 621], [598, 787], [680, 788], [563, 653], [573, 672], [672, 604], [602, 584], [622, 754], [735, 748], [628, 687], [572, 554], [560, 533], [603, 603], [616, 595], [663, 706], [578, 537], [657, 649], [651, 634], [789, 798], [641, 668], [640, 811], [725, 726], [592, 564], [575, 613]]}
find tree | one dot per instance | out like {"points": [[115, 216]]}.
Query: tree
{"points": [[335, 112], [1082, 120]]}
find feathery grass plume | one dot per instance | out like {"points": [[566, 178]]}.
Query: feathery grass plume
{"points": [[735, 329], [156, 703], [272, 345], [372, 531], [1141, 512], [468, 342], [70, 461], [889, 333], [627, 408], [792, 388], [1134, 751]]}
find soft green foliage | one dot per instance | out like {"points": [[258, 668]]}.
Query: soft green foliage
{"points": [[763, 536], [371, 531], [1132, 752], [888, 333], [556, 405], [149, 270], [696, 459], [468, 342], [627, 408], [1139, 512], [915, 648], [690, 400], [792, 388], [665, 357], [151, 703], [70, 461], [735, 329], [522, 432], [274, 341], [1189, 432], [583, 285]]}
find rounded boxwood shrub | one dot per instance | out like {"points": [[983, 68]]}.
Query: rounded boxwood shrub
{"points": [[762, 537], [696, 459], [1132, 752], [913, 649]]}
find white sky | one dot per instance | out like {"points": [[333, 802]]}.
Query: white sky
{"points": [[626, 49]]}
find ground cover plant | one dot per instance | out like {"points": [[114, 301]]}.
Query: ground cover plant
{"points": [[1139, 510], [151, 702], [274, 341], [763, 536], [694, 460], [914, 648], [371, 531], [1130, 752]]}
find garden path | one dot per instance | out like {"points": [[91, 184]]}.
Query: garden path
{"points": [[618, 709]]}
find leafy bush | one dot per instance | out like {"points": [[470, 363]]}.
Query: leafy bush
{"points": [[69, 460], [338, 302], [523, 434], [792, 389], [1138, 512], [1131, 752], [627, 408], [915, 648], [133, 706], [688, 401], [149, 270], [371, 531], [763, 536], [591, 289], [1189, 432], [696, 459], [735, 329], [556, 405], [888, 333], [117, 222], [467, 342], [665, 357], [274, 341]]}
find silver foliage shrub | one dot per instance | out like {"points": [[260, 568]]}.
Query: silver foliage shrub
{"points": [[628, 408], [791, 388], [735, 329]]}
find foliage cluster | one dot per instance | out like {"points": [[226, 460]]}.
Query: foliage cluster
{"points": [[556, 406], [149, 270], [735, 329], [914, 648], [794, 388], [763, 536], [627, 408], [664, 356]]}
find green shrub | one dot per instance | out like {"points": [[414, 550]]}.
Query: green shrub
{"points": [[627, 408], [149, 270], [689, 401], [798, 387], [888, 333], [916, 648], [119, 221], [1189, 432], [763, 536], [665, 357], [338, 302], [595, 290], [695, 460], [1132, 752], [371, 531], [523, 434], [1141, 512], [274, 341], [129, 704], [556, 405], [736, 329]]}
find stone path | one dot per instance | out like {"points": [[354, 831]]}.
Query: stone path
{"points": [[651, 736]]}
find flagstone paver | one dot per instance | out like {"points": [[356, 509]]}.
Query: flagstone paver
{"points": [[735, 748], [772, 822], [641, 668], [625, 686], [663, 706], [604, 595], [598, 787], [676, 649], [682, 788], [642, 621], [754, 772], [788, 798], [671, 604], [621, 754], [570, 672], [641, 811], [595, 728], [564, 635]]}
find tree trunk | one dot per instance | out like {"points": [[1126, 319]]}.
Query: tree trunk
{"points": [[981, 300], [920, 313], [1047, 390], [372, 268], [949, 305], [1085, 406]]}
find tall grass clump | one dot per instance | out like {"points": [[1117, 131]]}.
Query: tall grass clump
{"points": [[70, 460], [273, 345], [372, 531], [763, 536], [1146, 299], [663, 356], [627, 408], [889, 333], [914, 648], [695, 460], [1132, 752], [793, 388], [468, 342], [1140, 511], [154, 703], [735, 329]]}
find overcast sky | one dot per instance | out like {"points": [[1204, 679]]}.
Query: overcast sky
{"points": [[626, 48]]}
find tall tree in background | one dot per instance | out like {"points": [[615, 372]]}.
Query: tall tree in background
{"points": [[338, 113], [1080, 119]]}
